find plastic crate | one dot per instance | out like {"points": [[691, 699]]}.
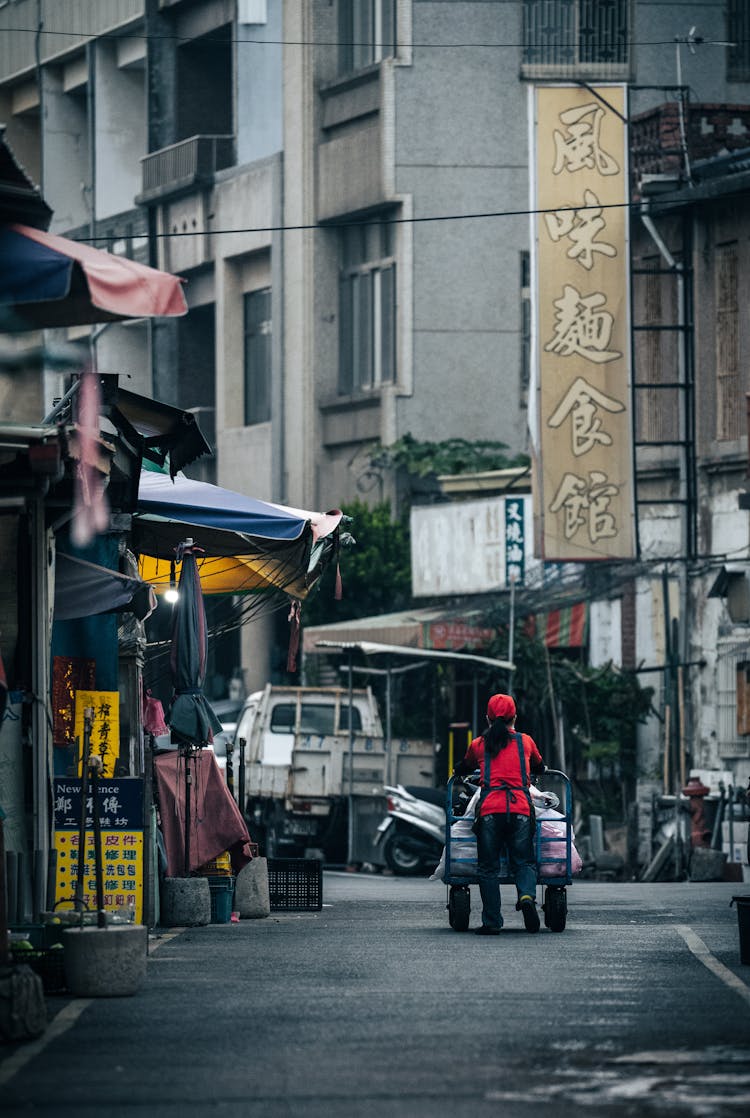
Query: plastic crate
{"points": [[222, 896], [220, 866], [48, 963], [295, 884], [40, 936]]}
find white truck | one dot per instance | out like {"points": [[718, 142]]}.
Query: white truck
{"points": [[309, 786]]}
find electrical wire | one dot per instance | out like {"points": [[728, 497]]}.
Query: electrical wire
{"points": [[205, 41], [665, 206]]}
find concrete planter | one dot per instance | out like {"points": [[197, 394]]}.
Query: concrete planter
{"points": [[251, 894], [185, 902], [105, 962]]}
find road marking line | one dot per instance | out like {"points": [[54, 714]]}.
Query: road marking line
{"points": [[702, 953], [59, 1025], [164, 939]]}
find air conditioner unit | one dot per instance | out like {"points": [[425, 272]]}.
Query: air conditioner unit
{"points": [[252, 11]]}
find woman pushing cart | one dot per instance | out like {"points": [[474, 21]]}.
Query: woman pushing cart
{"points": [[505, 823]]}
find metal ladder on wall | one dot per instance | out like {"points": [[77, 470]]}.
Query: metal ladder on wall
{"points": [[681, 386]]}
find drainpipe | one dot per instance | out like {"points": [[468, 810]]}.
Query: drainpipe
{"points": [[91, 124], [683, 650]]}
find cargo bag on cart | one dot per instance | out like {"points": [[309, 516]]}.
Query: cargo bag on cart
{"points": [[553, 826]]}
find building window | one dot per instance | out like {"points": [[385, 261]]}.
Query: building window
{"points": [[738, 54], [575, 37], [258, 356], [731, 697], [367, 33], [367, 307], [728, 412]]}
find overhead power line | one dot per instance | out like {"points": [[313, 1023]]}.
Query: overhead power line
{"points": [[385, 221], [388, 44]]}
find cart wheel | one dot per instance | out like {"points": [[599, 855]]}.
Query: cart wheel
{"points": [[459, 907], [555, 909]]}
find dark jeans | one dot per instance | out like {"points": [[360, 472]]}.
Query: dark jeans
{"points": [[516, 834]]}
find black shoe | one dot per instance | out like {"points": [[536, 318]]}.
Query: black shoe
{"points": [[486, 930], [530, 915]]}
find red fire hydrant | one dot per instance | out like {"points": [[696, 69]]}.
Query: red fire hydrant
{"points": [[695, 790]]}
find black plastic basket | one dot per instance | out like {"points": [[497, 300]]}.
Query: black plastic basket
{"points": [[295, 884]]}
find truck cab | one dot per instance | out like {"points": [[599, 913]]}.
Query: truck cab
{"points": [[306, 772]]}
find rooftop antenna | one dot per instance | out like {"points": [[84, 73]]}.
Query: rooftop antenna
{"points": [[690, 40]]}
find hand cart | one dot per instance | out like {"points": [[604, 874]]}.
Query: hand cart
{"points": [[553, 866]]}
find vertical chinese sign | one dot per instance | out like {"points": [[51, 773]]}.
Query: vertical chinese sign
{"points": [[584, 468], [105, 726], [515, 541], [121, 819]]}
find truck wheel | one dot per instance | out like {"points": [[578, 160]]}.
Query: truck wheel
{"points": [[399, 857], [555, 909], [459, 907]]}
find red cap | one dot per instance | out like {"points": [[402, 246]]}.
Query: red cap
{"points": [[501, 706]]}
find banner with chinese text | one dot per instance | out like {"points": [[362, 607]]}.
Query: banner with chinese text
{"points": [[583, 326], [121, 820], [105, 727]]}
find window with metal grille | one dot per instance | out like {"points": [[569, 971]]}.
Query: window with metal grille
{"points": [[738, 28], [576, 37], [731, 698], [257, 311], [367, 33], [367, 307], [728, 410]]}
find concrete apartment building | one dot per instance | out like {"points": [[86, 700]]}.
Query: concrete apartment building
{"points": [[315, 168]]}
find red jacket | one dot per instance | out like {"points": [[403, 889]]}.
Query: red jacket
{"points": [[506, 767]]}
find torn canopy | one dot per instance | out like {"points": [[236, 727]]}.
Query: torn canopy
{"points": [[249, 546]]}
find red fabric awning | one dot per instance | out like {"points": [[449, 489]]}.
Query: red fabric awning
{"points": [[59, 282]]}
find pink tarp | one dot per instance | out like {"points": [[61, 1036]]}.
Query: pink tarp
{"points": [[216, 823]]}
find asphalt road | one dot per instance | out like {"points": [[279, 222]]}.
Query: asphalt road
{"points": [[374, 1006]]}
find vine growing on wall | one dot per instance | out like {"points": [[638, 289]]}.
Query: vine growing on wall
{"points": [[450, 456]]}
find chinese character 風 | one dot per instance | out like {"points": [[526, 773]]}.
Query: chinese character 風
{"points": [[580, 149]]}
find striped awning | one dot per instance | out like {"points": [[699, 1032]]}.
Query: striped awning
{"points": [[563, 628]]}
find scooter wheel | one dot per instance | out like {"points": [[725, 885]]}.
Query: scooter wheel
{"points": [[399, 856], [459, 908], [555, 909]]}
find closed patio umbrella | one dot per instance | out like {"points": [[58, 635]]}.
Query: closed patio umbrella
{"points": [[191, 719]]}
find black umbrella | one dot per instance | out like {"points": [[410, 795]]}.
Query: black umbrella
{"points": [[191, 719]]}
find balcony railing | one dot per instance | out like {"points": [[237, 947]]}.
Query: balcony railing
{"points": [[656, 136], [184, 165]]}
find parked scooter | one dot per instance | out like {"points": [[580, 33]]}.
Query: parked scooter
{"points": [[411, 837]]}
